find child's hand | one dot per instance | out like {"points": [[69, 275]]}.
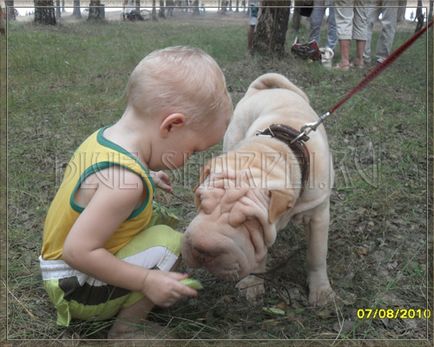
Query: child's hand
{"points": [[162, 180], [164, 289]]}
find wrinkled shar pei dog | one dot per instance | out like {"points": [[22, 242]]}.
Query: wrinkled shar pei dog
{"points": [[260, 183]]}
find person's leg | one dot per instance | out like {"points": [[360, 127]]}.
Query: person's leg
{"points": [[157, 247], [360, 48], [316, 18], [360, 30], [372, 15], [388, 23], [129, 319], [344, 46], [332, 38], [344, 28]]}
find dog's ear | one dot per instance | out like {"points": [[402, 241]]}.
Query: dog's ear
{"points": [[280, 201]]}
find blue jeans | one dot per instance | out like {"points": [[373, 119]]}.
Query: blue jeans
{"points": [[316, 20]]}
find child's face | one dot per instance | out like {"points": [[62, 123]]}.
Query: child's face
{"points": [[188, 140]]}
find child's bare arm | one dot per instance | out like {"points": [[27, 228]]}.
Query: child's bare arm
{"points": [[84, 247]]}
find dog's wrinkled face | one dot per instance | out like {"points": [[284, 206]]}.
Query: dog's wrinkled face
{"points": [[232, 231]]}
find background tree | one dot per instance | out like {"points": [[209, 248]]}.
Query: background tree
{"points": [[77, 10], [237, 6], [154, 10], [96, 10], [10, 10], [2, 22], [170, 5], [401, 10], [296, 16], [420, 17], [161, 12], [272, 25], [57, 9], [224, 6], [431, 5], [44, 12], [196, 11], [138, 5]]}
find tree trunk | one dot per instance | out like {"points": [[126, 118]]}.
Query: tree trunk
{"points": [[161, 12], [419, 16], [57, 9], [96, 10], [77, 11], [138, 5], [230, 5], [170, 6], [270, 37], [431, 5], [237, 4], [401, 10], [44, 12], [224, 6], [196, 11], [296, 16], [2, 22], [63, 6], [10, 10], [154, 10]]}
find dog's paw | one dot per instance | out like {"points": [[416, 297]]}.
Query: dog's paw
{"points": [[252, 288], [321, 295]]}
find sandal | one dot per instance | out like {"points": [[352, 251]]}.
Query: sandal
{"points": [[359, 64], [342, 67]]}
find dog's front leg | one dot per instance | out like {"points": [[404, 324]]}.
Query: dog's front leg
{"points": [[316, 227], [251, 286]]}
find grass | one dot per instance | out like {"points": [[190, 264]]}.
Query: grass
{"points": [[65, 82]]}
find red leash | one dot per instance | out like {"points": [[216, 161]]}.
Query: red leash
{"points": [[307, 128]]}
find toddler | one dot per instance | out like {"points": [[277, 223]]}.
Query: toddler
{"points": [[104, 254]]}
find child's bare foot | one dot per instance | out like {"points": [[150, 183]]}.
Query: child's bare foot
{"points": [[147, 331], [131, 323]]}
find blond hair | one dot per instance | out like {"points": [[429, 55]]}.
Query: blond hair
{"points": [[179, 79]]}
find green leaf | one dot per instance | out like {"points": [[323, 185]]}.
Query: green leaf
{"points": [[192, 283], [274, 311]]}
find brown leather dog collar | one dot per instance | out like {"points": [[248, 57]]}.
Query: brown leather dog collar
{"points": [[287, 134]]}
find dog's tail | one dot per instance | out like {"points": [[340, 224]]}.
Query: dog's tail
{"points": [[274, 81]]}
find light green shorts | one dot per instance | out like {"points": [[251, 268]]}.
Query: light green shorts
{"points": [[77, 295]]}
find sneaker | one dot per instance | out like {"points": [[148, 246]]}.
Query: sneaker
{"points": [[327, 55]]}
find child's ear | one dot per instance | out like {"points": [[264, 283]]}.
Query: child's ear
{"points": [[171, 122]]}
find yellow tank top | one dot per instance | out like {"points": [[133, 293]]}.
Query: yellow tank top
{"points": [[95, 153]]}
